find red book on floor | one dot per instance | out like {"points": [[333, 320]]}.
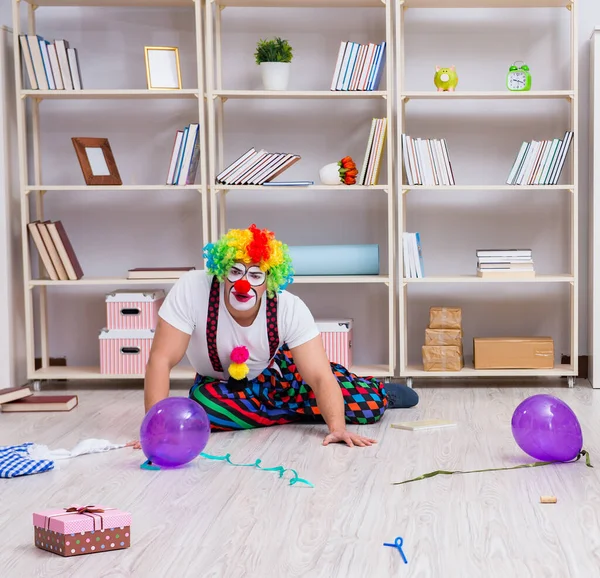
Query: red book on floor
{"points": [[42, 403], [12, 393]]}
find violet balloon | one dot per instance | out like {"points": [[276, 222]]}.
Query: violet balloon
{"points": [[547, 429], [174, 431]]}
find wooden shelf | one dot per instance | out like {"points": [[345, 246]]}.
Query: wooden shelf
{"points": [[302, 3], [492, 94], [303, 280], [108, 94], [476, 279], [178, 373], [406, 188], [345, 188], [84, 373], [47, 188], [469, 371], [486, 3], [299, 94], [113, 3]]}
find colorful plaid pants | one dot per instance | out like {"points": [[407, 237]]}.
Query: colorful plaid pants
{"points": [[279, 396]]}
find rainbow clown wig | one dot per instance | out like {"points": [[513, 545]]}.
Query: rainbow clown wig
{"points": [[251, 245]]}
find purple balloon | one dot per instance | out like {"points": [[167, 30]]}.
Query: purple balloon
{"points": [[547, 429], [174, 431]]}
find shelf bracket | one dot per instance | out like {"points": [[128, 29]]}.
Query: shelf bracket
{"points": [[569, 6], [386, 191]]}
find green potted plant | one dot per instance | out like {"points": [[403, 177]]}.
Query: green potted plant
{"points": [[274, 56]]}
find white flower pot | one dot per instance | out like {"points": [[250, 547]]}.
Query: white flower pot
{"points": [[330, 174], [275, 75]]}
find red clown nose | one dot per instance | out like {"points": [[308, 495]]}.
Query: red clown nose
{"points": [[242, 286]]}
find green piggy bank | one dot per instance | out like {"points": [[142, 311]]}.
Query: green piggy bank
{"points": [[445, 79]]}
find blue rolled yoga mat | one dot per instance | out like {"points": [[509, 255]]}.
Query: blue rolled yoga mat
{"points": [[335, 259]]}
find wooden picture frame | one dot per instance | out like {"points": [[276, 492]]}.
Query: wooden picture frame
{"points": [[97, 161], [163, 71]]}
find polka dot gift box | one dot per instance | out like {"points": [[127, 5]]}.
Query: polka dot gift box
{"points": [[82, 530]]}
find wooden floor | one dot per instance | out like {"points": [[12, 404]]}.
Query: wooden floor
{"points": [[211, 519]]}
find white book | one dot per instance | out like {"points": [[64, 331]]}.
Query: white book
{"points": [[273, 165], [550, 161], [74, 68], [373, 155], [245, 167], [338, 64], [28, 62], [517, 163], [190, 145], [174, 156], [563, 157], [408, 269], [38, 61], [257, 168], [360, 59], [413, 150], [448, 164], [366, 71], [541, 160], [56, 72], [423, 424], [231, 167], [415, 255], [531, 154], [365, 164], [406, 160], [351, 46], [245, 163], [63, 59], [47, 64], [351, 65]]}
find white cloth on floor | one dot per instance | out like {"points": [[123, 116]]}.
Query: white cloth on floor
{"points": [[89, 446]]}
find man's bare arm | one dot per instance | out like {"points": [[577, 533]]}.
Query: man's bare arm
{"points": [[168, 348]]}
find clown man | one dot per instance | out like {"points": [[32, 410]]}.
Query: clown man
{"points": [[257, 352]]}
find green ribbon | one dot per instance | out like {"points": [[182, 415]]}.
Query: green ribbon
{"points": [[294, 480], [582, 453]]}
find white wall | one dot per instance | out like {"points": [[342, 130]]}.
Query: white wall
{"points": [[112, 232], [12, 337]]}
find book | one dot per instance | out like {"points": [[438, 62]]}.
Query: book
{"points": [[540, 162], [426, 161], [50, 65], [256, 167], [358, 67], [65, 250], [12, 393], [289, 183], [369, 172], [412, 254], [158, 272], [41, 403], [423, 424]]}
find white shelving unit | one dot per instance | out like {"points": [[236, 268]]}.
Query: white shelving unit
{"points": [[594, 212], [33, 190], [403, 106], [217, 95]]}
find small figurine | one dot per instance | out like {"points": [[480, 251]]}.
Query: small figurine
{"points": [[445, 79]]}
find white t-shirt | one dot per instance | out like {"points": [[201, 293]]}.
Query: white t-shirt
{"points": [[186, 307]]}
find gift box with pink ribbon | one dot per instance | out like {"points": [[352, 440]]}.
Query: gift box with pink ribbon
{"points": [[80, 530]]}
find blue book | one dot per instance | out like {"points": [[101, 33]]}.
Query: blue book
{"points": [[378, 68]]}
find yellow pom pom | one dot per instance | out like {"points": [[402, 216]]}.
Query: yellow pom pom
{"points": [[238, 370]]}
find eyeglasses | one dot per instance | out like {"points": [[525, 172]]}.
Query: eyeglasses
{"points": [[255, 275]]}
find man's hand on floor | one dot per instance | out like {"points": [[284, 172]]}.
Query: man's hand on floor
{"points": [[351, 439]]}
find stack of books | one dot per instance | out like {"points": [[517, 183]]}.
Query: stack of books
{"points": [[505, 262], [540, 162], [56, 251], [412, 255], [369, 174], [50, 66], [185, 156], [256, 167], [358, 66], [426, 161]]}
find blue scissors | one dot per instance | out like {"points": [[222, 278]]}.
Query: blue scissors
{"points": [[398, 544]]}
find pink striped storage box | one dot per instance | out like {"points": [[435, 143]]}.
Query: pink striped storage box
{"points": [[337, 339], [133, 309], [125, 351]]}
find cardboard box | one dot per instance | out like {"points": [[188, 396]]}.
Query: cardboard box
{"points": [[513, 352], [443, 336], [133, 309], [445, 318], [442, 358], [125, 352], [81, 530], [337, 340]]}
